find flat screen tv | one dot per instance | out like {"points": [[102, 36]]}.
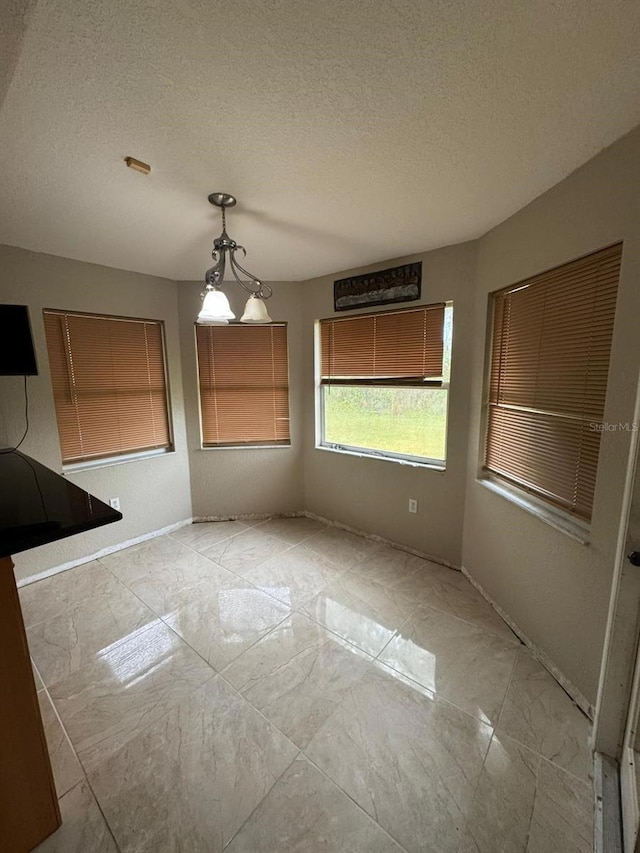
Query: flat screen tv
{"points": [[17, 355]]}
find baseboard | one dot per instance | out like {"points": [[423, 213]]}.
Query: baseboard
{"points": [[254, 516], [585, 706], [63, 567], [375, 538], [608, 822]]}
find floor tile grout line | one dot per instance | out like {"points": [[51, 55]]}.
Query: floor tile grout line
{"points": [[169, 709], [192, 585], [234, 536], [316, 621], [138, 631], [574, 777], [85, 781], [275, 627], [263, 798], [509, 683], [88, 597], [515, 642], [66, 735], [434, 695], [486, 755], [332, 636], [85, 777], [104, 817], [355, 802]]}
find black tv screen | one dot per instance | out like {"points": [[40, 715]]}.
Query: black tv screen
{"points": [[17, 356]]}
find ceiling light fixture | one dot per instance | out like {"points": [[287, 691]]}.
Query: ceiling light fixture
{"points": [[215, 305]]}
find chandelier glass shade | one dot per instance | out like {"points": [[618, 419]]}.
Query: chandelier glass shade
{"points": [[215, 305]]}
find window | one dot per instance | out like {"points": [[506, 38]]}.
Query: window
{"points": [[109, 385], [244, 385], [384, 383], [548, 382]]}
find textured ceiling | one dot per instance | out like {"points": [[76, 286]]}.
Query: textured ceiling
{"points": [[351, 132]]}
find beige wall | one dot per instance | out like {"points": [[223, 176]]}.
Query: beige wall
{"points": [[373, 494], [153, 492], [556, 589], [244, 481]]}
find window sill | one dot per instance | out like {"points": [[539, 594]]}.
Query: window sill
{"points": [[362, 454], [570, 526], [246, 447], [115, 460]]}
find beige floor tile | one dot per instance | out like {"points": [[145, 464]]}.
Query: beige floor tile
{"points": [[204, 534], [65, 643], [524, 804], [391, 566], [66, 767], [501, 812], [562, 815], [306, 813], [341, 547], [361, 611], [412, 762], [455, 595], [220, 621], [159, 585], [294, 577], [455, 660], [539, 714], [192, 778], [59, 593], [83, 828], [107, 702], [291, 530], [297, 676], [246, 551], [155, 553]]}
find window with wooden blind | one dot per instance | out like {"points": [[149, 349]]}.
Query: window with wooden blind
{"points": [[243, 375], [109, 385], [384, 382], [548, 382]]}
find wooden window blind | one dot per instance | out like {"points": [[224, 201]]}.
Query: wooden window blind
{"points": [[109, 384], [549, 366], [392, 347], [244, 384]]}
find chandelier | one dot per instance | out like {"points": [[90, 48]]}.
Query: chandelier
{"points": [[215, 305]]}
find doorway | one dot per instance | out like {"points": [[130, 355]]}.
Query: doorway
{"points": [[617, 719]]}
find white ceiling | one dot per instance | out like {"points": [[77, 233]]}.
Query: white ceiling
{"points": [[352, 131]]}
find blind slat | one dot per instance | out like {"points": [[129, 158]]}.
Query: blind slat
{"points": [[549, 368], [405, 344], [109, 384], [243, 376]]}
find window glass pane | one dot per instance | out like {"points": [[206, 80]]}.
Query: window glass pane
{"points": [[408, 421]]}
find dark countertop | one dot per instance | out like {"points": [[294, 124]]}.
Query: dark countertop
{"points": [[38, 506]]}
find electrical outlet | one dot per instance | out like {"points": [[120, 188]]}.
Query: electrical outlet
{"points": [[114, 503], [413, 505]]}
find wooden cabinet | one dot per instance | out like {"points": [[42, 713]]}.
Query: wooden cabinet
{"points": [[28, 803]]}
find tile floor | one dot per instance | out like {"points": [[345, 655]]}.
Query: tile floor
{"points": [[286, 686]]}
